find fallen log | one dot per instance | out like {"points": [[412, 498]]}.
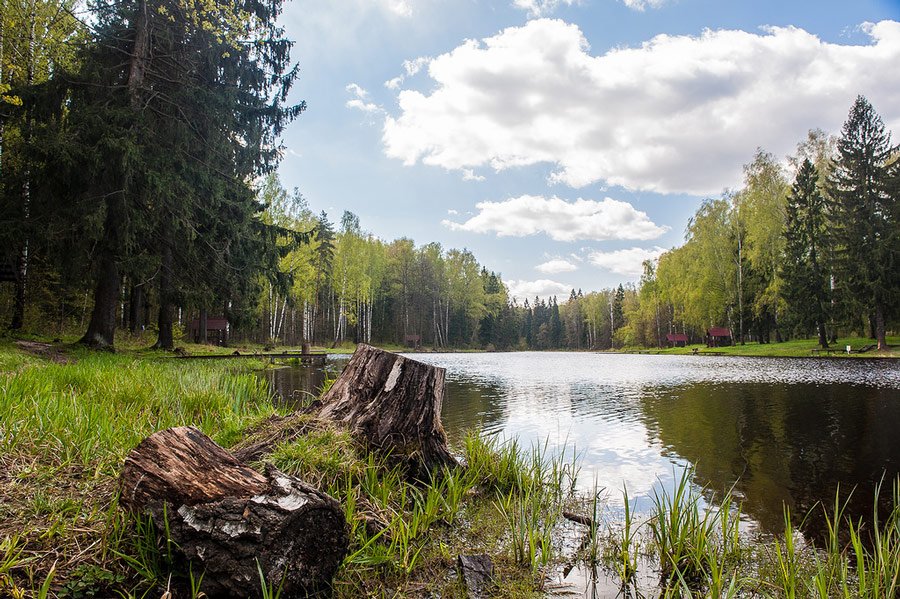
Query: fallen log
{"points": [[232, 522], [393, 405]]}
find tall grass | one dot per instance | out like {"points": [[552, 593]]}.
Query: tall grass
{"points": [[90, 413], [64, 431]]}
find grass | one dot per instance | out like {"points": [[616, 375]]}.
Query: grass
{"points": [[66, 427], [698, 550], [794, 348]]}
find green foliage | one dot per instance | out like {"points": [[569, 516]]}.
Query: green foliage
{"points": [[866, 213]]}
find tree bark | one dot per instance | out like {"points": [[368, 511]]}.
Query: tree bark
{"points": [[879, 327], [165, 340], [136, 308], [102, 326], [231, 520], [202, 333], [393, 405]]}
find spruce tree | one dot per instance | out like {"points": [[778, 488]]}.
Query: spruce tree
{"points": [[804, 274], [865, 214]]}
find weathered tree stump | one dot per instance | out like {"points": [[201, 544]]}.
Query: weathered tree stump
{"points": [[393, 405], [226, 518]]}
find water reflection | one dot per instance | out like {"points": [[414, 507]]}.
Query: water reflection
{"points": [[780, 430], [297, 385], [787, 444]]}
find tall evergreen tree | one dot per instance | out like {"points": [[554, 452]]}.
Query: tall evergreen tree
{"points": [[805, 276], [866, 213], [194, 94]]}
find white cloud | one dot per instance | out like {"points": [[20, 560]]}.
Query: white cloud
{"points": [[675, 114], [367, 107], [452, 212], [641, 5], [359, 102], [541, 8], [469, 175], [357, 91], [560, 219], [558, 265], [400, 8], [625, 262], [544, 288], [410, 69]]}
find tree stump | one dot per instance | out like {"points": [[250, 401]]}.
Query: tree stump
{"points": [[393, 405], [226, 518]]}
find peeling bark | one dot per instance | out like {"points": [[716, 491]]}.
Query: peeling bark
{"points": [[230, 520], [393, 405]]}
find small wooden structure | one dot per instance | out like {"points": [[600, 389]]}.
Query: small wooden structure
{"points": [[216, 330], [413, 341], [677, 339], [719, 337]]}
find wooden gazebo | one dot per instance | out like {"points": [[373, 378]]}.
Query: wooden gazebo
{"points": [[677, 339], [718, 337]]}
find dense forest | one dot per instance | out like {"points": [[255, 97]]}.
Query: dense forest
{"points": [[138, 151]]}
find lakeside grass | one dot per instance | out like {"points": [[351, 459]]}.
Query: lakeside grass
{"points": [[66, 427], [794, 348]]}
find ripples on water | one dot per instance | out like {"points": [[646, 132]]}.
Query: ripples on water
{"points": [[780, 430]]}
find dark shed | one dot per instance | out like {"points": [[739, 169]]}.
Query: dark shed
{"points": [[718, 337]]}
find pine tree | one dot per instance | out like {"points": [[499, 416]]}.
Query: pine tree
{"points": [[193, 95], [805, 278], [865, 213]]}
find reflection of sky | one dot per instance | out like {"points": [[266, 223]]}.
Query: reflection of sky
{"points": [[592, 403]]}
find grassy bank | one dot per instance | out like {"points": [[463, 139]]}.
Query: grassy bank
{"points": [[795, 348], [67, 421]]}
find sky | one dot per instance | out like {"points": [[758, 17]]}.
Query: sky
{"points": [[563, 142]]}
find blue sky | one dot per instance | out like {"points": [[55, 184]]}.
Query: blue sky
{"points": [[563, 141]]}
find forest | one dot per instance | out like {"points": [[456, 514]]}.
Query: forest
{"points": [[138, 192]]}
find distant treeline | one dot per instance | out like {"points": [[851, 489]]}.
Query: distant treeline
{"points": [[137, 152], [779, 258]]}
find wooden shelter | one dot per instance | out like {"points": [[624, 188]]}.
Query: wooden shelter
{"points": [[677, 339], [216, 330], [718, 337]]}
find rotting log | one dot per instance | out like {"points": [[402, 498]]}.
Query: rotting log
{"points": [[393, 405], [230, 521]]}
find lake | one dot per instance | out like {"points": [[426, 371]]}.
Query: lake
{"points": [[780, 431]]}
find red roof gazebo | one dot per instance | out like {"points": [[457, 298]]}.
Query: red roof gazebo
{"points": [[677, 339], [718, 337]]}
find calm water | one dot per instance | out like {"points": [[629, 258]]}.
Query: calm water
{"points": [[779, 430]]}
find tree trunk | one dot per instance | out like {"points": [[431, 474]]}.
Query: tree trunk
{"points": [[231, 520], [102, 327], [202, 333], [393, 405], [136, 308], [165, 339], [879, 327], [823, 338]]}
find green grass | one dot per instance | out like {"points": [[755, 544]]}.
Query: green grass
{"points": [[65, 429], [795, 348]]}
